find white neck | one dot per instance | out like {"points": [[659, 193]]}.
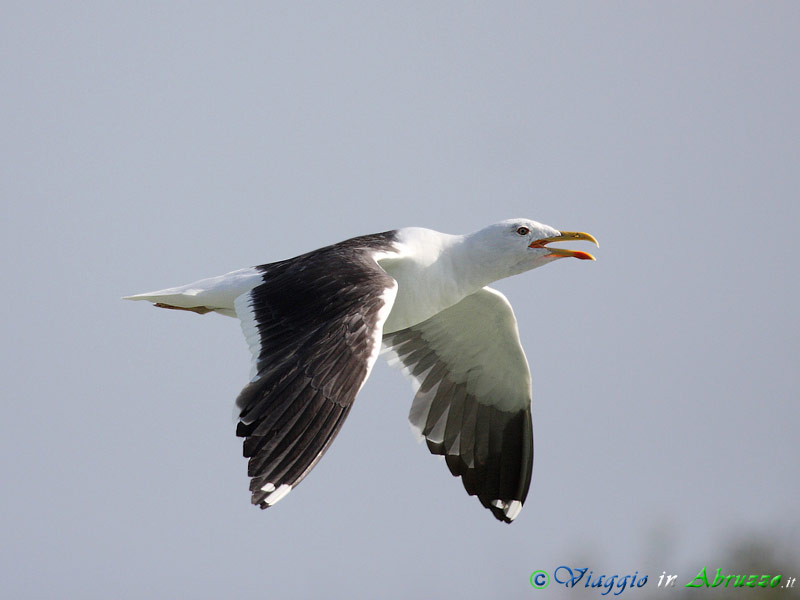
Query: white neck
{"points": [[435, 271]]}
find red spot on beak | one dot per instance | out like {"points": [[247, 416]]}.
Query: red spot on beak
{"points": [[582, 255]]}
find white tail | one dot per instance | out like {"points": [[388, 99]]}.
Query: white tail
{"points": [[215, 294]]}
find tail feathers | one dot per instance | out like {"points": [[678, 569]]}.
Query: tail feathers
{"points": [[183, 297], [213, 294]]}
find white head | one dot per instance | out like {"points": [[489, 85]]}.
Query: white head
{"points": [[517, 245]]}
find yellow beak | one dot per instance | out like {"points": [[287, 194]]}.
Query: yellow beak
{"points": [[567, 236]]}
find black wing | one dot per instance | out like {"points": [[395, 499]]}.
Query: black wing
{"points": [[314, 328], [473, 404]]}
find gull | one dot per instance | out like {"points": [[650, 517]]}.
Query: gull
{"points": [[316, 323]]}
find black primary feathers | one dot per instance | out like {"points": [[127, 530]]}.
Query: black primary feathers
{"points": [[317, 330], [491, 449]]}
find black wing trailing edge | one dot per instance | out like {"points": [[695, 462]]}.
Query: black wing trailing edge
{"points": [[314, 327], [478, 418]]}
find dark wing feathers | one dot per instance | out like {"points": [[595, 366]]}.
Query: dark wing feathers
{"points": [[317, 327], [473, 401]]}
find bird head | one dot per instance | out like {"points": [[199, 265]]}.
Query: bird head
{"points": [[523, 244]]}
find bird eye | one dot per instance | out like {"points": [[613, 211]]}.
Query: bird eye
{"points": [[523, 230]]}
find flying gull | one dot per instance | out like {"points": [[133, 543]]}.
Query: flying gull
{"points": [[316, 323]]}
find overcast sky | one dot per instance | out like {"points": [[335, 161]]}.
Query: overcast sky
{"points": [[145, 145]]}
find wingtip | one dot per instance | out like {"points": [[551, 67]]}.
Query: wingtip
{"points": [[268, 495], [505, 511]]}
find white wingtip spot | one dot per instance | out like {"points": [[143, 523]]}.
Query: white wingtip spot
{"points": [[277, 494], [510, 509], [513, 509], [269, 487]]}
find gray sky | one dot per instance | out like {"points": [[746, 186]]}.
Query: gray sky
{"points": [[146, 145]]}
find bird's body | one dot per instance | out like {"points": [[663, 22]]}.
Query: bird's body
{"points": [[315, 324]]}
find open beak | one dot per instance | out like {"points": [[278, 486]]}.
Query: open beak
{"points": [[567, 236]]}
